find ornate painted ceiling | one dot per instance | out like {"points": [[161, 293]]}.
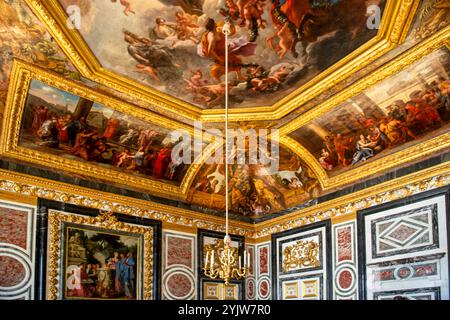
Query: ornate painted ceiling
{"points": [[96, 88]]}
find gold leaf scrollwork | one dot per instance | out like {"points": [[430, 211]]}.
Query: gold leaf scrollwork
{"points": [[301, 254], [107, 219]]}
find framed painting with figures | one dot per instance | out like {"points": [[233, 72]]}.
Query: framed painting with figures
{"points": [[96, 254], [101, 265]]}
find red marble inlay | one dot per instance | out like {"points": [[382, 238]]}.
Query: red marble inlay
{"points": [[12, 272], [179, 285], [263, 260], [251, 252], [263, 288], [385, 275], [345, 279], [344, 239], [13, 227], [425, 270], [404, 272], [251, 289], [179, 251]]}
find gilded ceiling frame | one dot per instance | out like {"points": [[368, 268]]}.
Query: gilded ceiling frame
{"points": [[23, 73], [337, 209], [437, 41], [397, 18]]}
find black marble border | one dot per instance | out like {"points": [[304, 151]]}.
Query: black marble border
{"points": [[48, 173], [201, 278], [361, 231], [328, 254], [436, 290], [41, 242]]}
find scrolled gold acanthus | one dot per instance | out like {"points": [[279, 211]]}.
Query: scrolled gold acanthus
{"points": [[301, 254]]}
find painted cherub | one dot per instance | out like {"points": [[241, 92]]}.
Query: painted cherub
{"points": [[128, 9], [196, 80]]}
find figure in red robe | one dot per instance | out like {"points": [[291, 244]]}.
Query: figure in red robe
{"points": [[39, 117], [112, 127], [162, 163]]}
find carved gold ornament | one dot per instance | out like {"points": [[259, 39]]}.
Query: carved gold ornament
{"points": [[301, 254], [397, 18], [33, 187], [106, 220]]}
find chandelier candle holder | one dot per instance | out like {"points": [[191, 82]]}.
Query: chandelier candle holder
{"points": [[225, 263], [220, 260]]}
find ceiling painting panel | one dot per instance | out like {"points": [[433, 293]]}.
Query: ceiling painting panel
{"points": [[255, 189], [400, 112], [58, 123]]}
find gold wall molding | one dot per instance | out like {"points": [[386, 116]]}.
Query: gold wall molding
{"points": [[396, 20], [338, 210]]}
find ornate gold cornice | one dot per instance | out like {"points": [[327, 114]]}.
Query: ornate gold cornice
{"points": [[346, 206], [36, 187], [21, 76], [395, 23]]}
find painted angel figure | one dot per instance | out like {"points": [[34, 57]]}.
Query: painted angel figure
{"points": [[127, 6]]}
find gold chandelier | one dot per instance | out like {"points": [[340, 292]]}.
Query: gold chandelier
{"points": [[222, 261]]}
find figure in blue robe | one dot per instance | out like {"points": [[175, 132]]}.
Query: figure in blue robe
{"points": [[363, 151], [128, 275]]}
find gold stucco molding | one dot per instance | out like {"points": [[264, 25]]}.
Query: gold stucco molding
{"points": [[34, 187], [397, 18]]}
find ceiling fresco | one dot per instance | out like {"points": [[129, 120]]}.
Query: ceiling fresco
{"points": [[64, 124], [177, 47], [23, 36], [403, 110], [254, 189], [388, 112], [431, 16]]}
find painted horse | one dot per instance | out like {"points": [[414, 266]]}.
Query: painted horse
{"points": [[298, 21]]}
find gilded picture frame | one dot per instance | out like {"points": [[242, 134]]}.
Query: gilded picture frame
{"points": [[22, 76], [65, 275], [397, 18], [441, 142]]}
